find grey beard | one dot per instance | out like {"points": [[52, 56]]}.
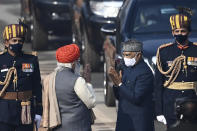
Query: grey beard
{"points": [[77, 69], [61, 66]]}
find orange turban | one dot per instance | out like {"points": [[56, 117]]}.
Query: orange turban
{"points": [[67, 53]]}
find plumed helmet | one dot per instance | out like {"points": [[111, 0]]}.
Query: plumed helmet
{"points": [[182, 19], [15, 30]]}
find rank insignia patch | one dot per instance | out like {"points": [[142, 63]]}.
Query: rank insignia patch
{"points": [[192, 61], [27, 67], [4, 70]]}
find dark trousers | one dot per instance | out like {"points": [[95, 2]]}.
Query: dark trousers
{"points": [[8, 127]]}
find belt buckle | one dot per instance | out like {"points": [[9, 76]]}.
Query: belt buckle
{"points": [[25, 103]]}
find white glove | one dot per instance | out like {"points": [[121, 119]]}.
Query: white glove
{"points": [[162, 119], [38, 120]]}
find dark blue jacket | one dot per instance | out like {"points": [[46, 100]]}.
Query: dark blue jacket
{"points": [[28, 74], [164, 97], [135, 109]]}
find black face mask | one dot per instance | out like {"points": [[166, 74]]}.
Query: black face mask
{"points": [[16, 48], [181, 38]]}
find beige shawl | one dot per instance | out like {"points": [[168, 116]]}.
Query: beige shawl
{"points": [[51, 115]]}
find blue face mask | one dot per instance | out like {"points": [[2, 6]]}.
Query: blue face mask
{"points": [[16, 48], [181, 38]]}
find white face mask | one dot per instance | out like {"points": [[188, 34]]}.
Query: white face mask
{"points": [[129, 61]]}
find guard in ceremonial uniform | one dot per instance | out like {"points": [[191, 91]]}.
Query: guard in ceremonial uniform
{"points": [[20, 83], [176, 72]]}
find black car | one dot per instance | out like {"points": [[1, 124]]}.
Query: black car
{"points": [[88, 18], [47, 17], [146, 21]]}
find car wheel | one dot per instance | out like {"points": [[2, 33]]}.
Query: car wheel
{"points": [[40, 37], [89, 55], [108, 89]]}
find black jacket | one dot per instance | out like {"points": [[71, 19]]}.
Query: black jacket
{"points": [[164, 97], [28, 74]]}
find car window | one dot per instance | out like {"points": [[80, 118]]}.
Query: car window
{"points": [[155, 17]]}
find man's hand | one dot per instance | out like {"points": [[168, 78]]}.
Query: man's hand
{"points": [[114, 76], [38, 120], [161, 119], [87, 73]]}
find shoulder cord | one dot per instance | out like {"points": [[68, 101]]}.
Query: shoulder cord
{"points": [[7, 80], [174, 70]]}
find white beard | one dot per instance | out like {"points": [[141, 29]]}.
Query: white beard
{"points": [[61, 66], [77, 68]]}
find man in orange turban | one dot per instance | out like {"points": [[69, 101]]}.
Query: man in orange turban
{"points": [[68, 98], [68, 56]]}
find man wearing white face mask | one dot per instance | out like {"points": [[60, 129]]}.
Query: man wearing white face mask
{"points": [[133, 87]]}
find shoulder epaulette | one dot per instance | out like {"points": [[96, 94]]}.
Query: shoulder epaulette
{"points": [[165, 45], [31, 53], [195, 43]]}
